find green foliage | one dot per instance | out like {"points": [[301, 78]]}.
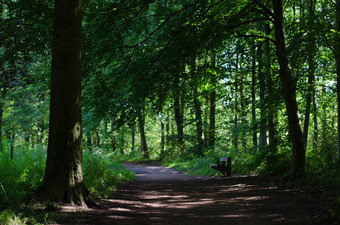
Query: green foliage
{"points": [[102, 176], [198, 166], [21, 175], [7, 217]]}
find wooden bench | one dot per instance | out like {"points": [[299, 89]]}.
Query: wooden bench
{"points": [[224, 167]]}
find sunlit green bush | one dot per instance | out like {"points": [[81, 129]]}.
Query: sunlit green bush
{"points": [[102, 176]]}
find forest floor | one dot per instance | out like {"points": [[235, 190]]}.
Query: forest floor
{"points": [[161, 196]]}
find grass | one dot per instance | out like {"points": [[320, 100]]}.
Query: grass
{"points": [[21, 176]]}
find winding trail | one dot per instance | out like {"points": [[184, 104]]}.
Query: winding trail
{"points": [[162, 196]]}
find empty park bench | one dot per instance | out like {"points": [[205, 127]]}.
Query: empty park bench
{"points": [[224, 167]]}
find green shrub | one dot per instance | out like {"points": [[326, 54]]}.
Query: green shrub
{"points": [[20, 176], [102, 176], [7, 217]]}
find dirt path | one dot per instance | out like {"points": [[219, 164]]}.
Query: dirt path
{"points": [[164, 196]]}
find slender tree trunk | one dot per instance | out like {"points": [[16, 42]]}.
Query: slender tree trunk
{"points": [[315, 118], [98, 141], [89, 143], [271, 109], [63, 180], [12, 144], [122, 141], [262, 82], [162, 139], [289, 93], [212, 114], [337, 58], [113, 135], [133, 134], [253, 97], [198, 112], [141, 122], [243, 102], [311, 70], [236, 111], [179, 118]]}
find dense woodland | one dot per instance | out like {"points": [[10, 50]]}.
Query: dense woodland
{"points": [[172, 80]]}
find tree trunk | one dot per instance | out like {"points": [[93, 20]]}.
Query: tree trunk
{"points": [[162, 139], [179, 118], [316, 128], [113, 135], [271, 109], [63, 180], [133, 134], [253, 97], [212, 114], [262, 83], [337, 58], [289, 93], [12, 144], [198, 111], [89, 143], [141, 122], [236, 107], [311, 70]]}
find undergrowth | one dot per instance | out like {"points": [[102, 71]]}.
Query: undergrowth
{"points": [[21, 176]]}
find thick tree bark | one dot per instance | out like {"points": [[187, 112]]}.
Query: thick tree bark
{"points": [[289, 93], [141, 122], [63, 180]]}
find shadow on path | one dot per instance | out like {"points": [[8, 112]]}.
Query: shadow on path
{"points": [[161, 195]]}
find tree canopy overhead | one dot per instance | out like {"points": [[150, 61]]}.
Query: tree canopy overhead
{"points": [[202, 78]]}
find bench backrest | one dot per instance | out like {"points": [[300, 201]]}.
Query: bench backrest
{"points": [[224, 159]]}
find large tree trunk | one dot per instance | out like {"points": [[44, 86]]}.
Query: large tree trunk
{"points": [[63, 180], [337, 58], [289, 93]]}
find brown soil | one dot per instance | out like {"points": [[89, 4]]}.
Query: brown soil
{"points": [[161, 196]]}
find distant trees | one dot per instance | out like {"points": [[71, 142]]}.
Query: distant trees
{"points": [[182, 79]]}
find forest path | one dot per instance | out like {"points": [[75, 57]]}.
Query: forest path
{"points": [[164, 196]]}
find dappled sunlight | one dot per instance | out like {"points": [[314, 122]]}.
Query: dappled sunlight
{"points": [[163, 196]]}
